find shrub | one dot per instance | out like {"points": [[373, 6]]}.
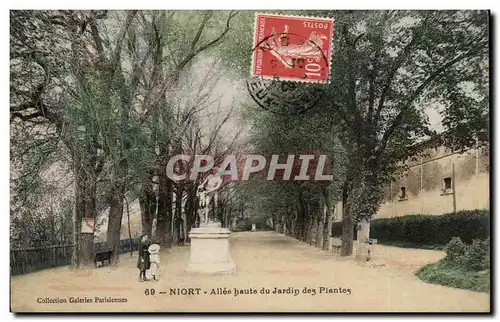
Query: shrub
{"points": [[476, 257], [465, 266], [243, 225], [487, 257], [433, 230], [455, 250], [261, 223]]}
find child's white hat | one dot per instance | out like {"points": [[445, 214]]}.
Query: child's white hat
{"points": [[154, 249]]}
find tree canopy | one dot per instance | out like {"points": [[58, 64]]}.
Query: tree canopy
{"points": [[108, 97]]}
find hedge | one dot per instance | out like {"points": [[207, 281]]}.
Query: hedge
{"points": [[429, 229], [337, 228]]}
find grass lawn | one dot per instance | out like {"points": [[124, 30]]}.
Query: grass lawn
{"points": [[444, 273]]}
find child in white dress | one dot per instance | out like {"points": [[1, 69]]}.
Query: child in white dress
{"points": [[154, 258]]}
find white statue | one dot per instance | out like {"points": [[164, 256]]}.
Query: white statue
{"points": [[207, 191]]}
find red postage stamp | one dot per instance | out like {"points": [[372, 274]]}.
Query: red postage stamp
{"points": [[292, 48]]}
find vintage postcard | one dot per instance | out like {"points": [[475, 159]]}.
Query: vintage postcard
{"points": [[250, 161]]}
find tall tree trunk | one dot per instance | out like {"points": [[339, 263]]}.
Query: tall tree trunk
{"points": [[327, 224], [183, 230], [164, 216], [319, 229], [147, 202], [301, 219], [177, 229], [85, 207], [327, 228], [128, 226], [295, 225], [116, 208], [190, 211], [310, 224], [115, 222], [347, 224]]}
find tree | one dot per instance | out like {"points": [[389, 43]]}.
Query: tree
{"points": [[46, 48], [301, 208], [387, 67], [177, 44], [113, 91], [103, 94]]}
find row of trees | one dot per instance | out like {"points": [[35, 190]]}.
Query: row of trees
{"points": [[111, 96], [388, 69], [104, 93]]}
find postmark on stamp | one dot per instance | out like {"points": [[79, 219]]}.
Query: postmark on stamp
{"points": [[292, 48], [284, 97]]}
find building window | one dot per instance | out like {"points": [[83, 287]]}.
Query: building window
{"points": [[447, 188], [447, 183], [402, 194]]}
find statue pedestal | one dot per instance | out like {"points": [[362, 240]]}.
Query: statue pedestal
{"points": [[210, 250]]}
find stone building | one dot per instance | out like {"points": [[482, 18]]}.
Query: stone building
{"points": [[440, 182]]}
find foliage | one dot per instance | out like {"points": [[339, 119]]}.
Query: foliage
{"points": [[292, 134], [99, 91], [465, 266], [101, 83], [443, 273], [243, 224], [39, 52], [430, 229], [34, 227], [388, 69], [455, 249], [477, 255]]}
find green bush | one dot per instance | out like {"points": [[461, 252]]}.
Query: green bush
{"points": [[487, 258], [261, 223], [473, 257], [432, 230], [428, 230], [455, 250], [243, 225], [476, 257], [465, 266]]}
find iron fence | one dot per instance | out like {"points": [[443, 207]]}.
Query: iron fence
{"points": [[27, 260]]}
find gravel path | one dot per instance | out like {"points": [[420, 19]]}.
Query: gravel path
{"points": [[304, 278]]}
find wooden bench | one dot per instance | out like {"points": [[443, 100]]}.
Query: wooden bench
{"points": [[101, 256]]}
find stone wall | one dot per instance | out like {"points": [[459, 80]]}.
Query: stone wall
{"points": [[424, 184]]}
